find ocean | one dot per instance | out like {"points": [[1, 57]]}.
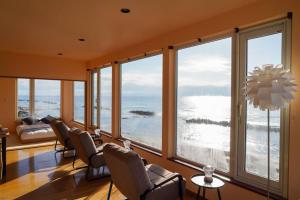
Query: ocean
{"points": [[203, 127]]}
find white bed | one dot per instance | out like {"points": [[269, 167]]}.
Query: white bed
{"points": [[35, 133]]}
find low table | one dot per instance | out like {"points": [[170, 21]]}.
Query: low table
{"points": [[198, 180]]}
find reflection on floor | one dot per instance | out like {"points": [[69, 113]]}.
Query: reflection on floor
{"points": [[36, 174], [14, 143]]}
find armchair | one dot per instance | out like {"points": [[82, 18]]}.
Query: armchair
{"points": [[139, 182], [86, 150]]}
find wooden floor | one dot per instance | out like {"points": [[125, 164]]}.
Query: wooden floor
{"points": [[36, 174]]}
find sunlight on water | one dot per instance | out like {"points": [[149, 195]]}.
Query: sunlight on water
{"points": [[210, 141]]}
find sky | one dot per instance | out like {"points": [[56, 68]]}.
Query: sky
{"points": [[142, 77], [206, 66], [266, 50]]}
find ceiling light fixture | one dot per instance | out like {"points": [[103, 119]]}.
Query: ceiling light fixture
{"points": [[125, 10]]}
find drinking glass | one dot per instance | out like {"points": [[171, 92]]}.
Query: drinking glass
{"points": [[127, 144], [208, 173]]}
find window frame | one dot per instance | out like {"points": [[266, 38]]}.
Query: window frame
{"points": [[17, 98], [32, 96], [94, 124], [202, 41], [282, 26], [99, 96], [136, 58], [84, 93], [97, 72]]}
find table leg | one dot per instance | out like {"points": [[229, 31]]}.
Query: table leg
{"points": [[203, 193], [219, 193], [3, 145], [198, 193]]}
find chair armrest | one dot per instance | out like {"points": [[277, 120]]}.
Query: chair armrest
{"points": [[94, 154], [176, 175]]}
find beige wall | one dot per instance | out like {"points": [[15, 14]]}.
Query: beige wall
{"points": [[261, 11], [19, 65]]}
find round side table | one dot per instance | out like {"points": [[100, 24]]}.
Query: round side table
{"points": [[198, 180]]}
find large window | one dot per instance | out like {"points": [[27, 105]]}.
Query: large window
{"points": [[214, 124], [204, 103], [23, 102], [105, 91], [141, 101], [262, 46], [47, 98], [38, 98], [79, 101]]}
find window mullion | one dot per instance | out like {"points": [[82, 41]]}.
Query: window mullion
{"points": [[234, 106]]}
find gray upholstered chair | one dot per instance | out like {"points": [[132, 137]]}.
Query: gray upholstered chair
{"points": [[136, 181], [61, 131], [86, 150]]}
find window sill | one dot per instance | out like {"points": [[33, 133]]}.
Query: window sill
{"points": [[230, 180], [143, 147], [106, 134]]}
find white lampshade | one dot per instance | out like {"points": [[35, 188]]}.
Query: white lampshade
{"points": [[270, 87]]}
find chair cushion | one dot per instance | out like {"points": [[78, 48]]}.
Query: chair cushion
{"points": [[169, 190]]}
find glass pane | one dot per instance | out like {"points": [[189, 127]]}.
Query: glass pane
{"points": [[79, 105], [141, 100], [94, 98], [204, 103], [105, 99], [263, 50], [23, 98], [47, 98]]}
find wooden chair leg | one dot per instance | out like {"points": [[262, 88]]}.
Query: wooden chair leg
{"points": [[109, 191]]}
